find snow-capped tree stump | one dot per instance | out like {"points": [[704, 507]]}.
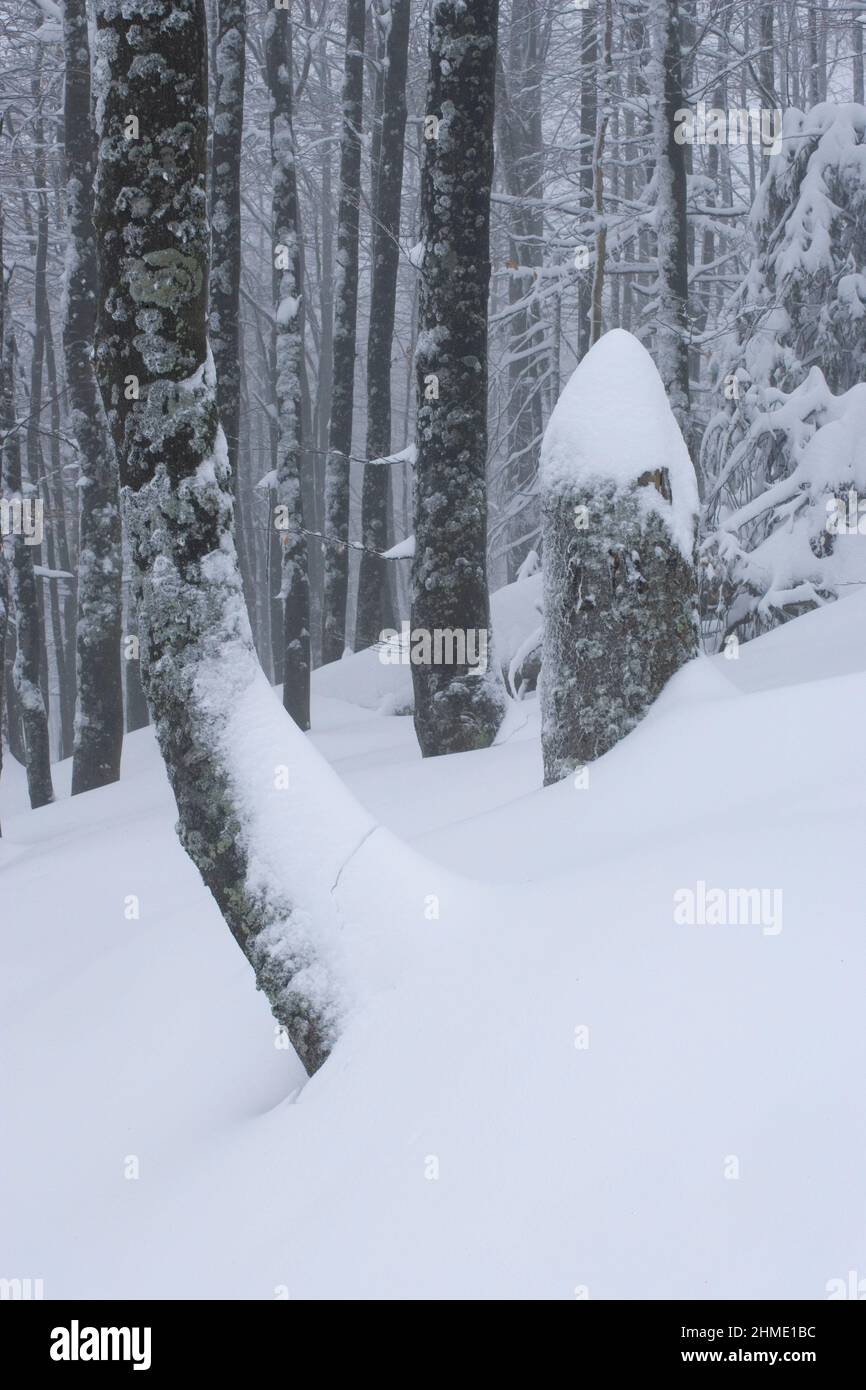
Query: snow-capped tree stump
{"points": [[620, 501]]}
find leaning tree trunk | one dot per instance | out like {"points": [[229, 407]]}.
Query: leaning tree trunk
{"points": [[374, 610], [198, 660], [620, 586], [288, 267], [25, 599], [455, 709], [225, 271], [345, 324], [671, 329], [99, 712]]}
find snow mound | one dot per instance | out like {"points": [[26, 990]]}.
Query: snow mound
{"points": [[613, 422], [554, 1086]]}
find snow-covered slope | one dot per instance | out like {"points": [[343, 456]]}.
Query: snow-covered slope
{"points": [[557, 1089], [364, 678]]}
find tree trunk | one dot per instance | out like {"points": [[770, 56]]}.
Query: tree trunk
{"points": [[198, 660], [288, 265], [455, 709], [59, 557], [99, 713], [620, 588], [4, 574], [29, 645], [588, 127], [604, 116], [225, 270], [375, 610], [671, 330], [33, 444], [345, 325], [521, 159]]}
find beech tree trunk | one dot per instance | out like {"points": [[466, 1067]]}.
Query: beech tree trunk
{"points": [[344, 335], [198, 658], [225, 271], [375, 611], [29, 645], [99, 711], [4, 574], [671, 328], [288, 266], [455, 709]]}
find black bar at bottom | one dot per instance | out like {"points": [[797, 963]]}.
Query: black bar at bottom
{"points": [[76, 1337]]}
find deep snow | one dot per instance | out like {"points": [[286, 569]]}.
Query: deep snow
{"points": [[562, 1169]]}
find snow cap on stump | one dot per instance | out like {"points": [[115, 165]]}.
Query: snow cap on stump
{"points": [[620, 502], [613, 421]]}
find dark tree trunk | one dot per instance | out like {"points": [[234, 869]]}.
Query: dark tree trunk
{"points": [[198, 658], [588, 126], [29, 645], [33, 444], [59, 557], [225, 271], [375, 610], [671, 329], [99, 714], [455, 709], [4, 576], [4, 620], [288, 264], [344, 336]]}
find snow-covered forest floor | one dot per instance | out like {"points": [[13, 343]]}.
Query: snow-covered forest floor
{"points": [[561, 1092]]}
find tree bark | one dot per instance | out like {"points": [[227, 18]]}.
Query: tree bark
{"points": [[198, 659], [671, 331], [29, 644], [375, 610], [289, 347], [4, 574], [225, 271], [344, 335], [99, 712], [455, 709]]}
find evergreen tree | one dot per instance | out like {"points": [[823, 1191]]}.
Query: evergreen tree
{"points": [[801, 303]]}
